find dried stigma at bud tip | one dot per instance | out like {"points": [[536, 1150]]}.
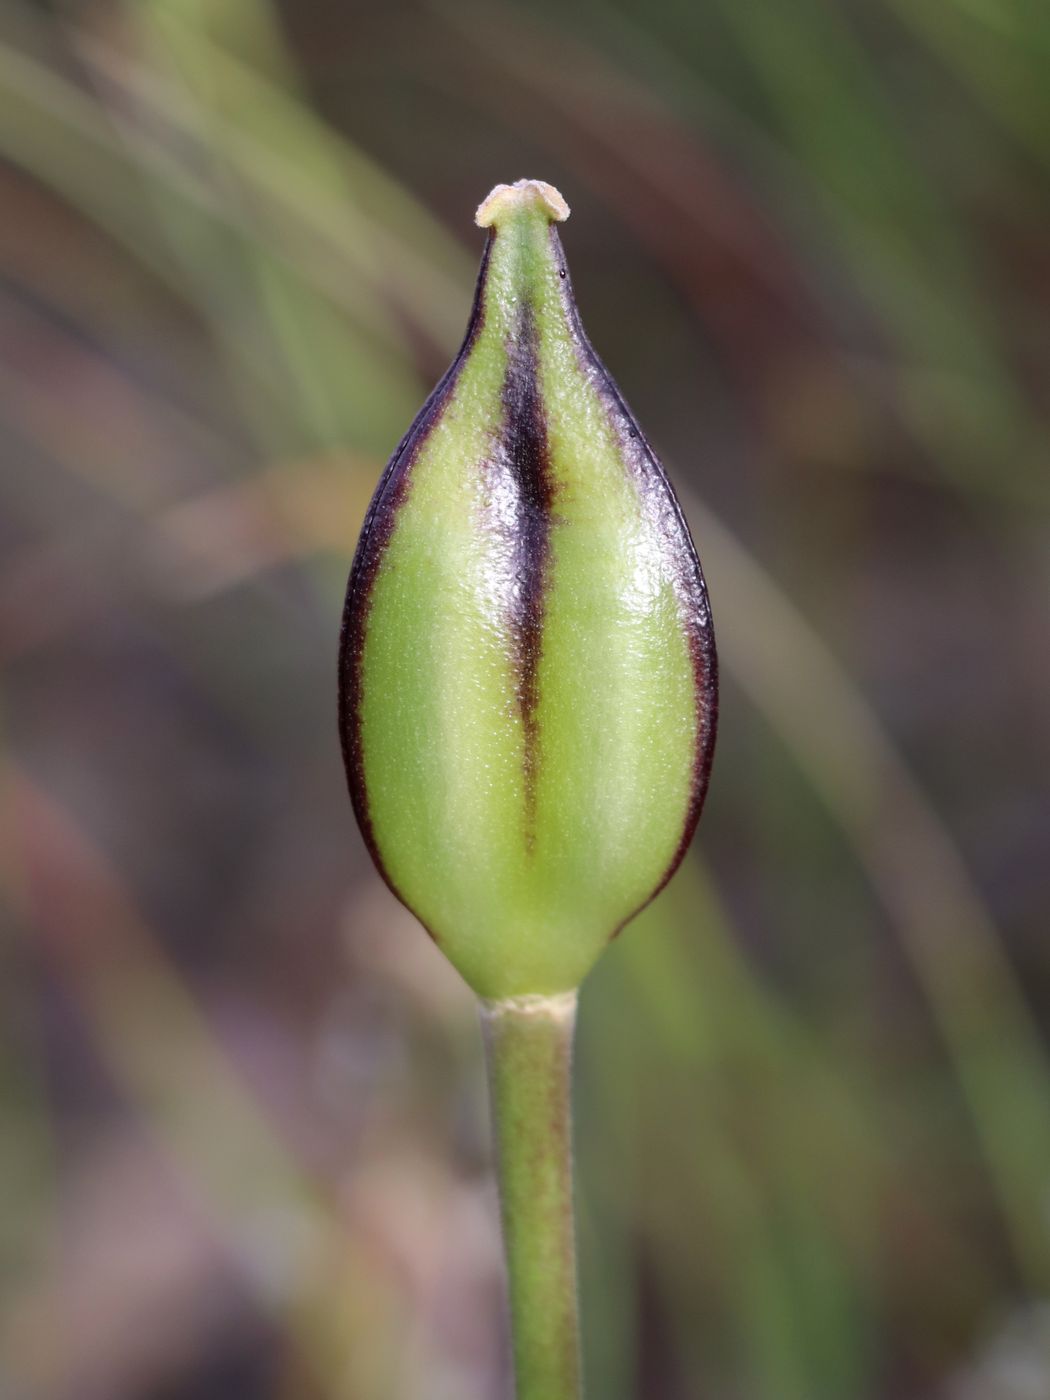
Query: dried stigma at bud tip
{"points": [[506, 200], [527, 673]]}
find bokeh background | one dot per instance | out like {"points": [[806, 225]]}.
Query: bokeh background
{"points": [[244, 1137]]}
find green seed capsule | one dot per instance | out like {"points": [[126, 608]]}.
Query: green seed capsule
{"points": [[527, 673]]}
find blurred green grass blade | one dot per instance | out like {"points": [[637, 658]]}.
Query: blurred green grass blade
{"points": [[63, 137], [1001, 52], [343, 391], [973, 993], [155, 1042], [607, 1238], [905, 246], [697, 1012], [821, 1320], [261, 127], [58, 135], [150, 170], [850, 141], [238, 270]]}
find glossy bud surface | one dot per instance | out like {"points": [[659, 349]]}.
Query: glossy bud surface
{"points": [[527, 674]]}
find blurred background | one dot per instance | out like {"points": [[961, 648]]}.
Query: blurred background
{"points": [[244, 1135]]}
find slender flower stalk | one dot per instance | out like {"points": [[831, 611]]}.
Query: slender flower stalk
{"points": [[528, 1045], [528, 698]]}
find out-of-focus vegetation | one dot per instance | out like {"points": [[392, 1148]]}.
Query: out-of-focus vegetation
{"points": [[244, 1146]]}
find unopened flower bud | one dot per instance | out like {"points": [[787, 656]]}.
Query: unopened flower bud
{"points": [[527, 675]]}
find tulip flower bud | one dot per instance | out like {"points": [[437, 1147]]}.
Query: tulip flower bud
{"points": [[527, 675]]}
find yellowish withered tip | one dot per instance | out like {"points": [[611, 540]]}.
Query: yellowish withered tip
{"points": [[507, 200]]}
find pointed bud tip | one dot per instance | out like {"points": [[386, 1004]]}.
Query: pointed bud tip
{"points": [[524, 195]]}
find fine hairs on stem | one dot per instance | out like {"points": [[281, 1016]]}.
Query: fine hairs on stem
{"points": [[528, 1047]]}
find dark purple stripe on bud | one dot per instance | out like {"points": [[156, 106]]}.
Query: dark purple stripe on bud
{"points": [[521, 486]]}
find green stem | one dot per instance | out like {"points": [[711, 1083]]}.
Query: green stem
{"points": [[528, 1044]]}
